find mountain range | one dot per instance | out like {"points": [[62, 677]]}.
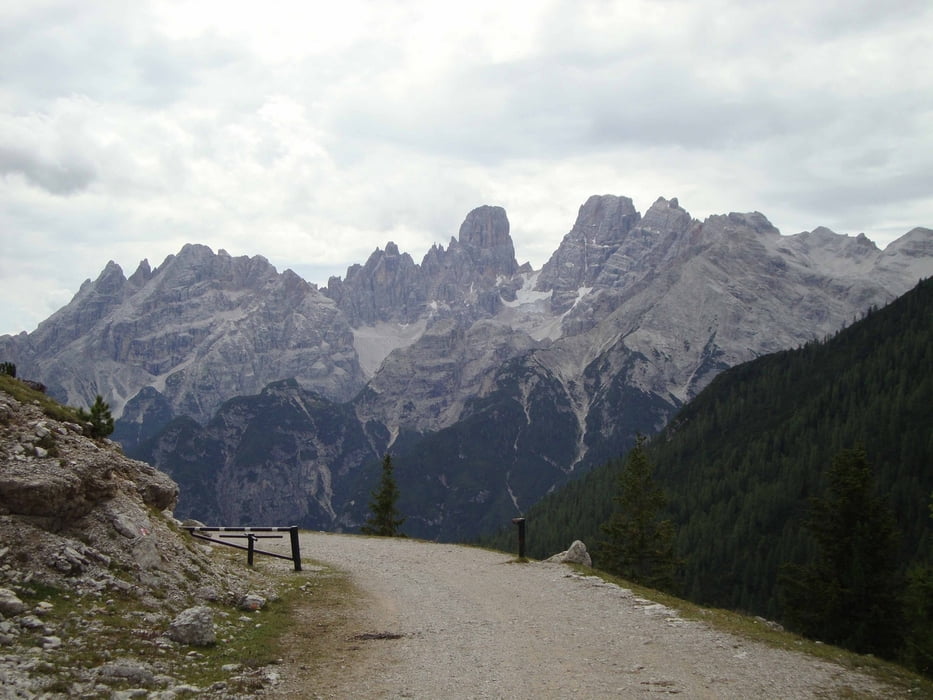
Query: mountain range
{"points": [[491, 383]]}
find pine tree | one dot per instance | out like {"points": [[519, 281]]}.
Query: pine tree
{"points": [[849, 594], [639, 546], [100, 419], [918, 616], [384, 519]]}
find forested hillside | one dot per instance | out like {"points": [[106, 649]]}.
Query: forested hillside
{"points": [[741, 462]]}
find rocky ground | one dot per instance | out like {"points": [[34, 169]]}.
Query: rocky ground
{"points": [[102, 594]]}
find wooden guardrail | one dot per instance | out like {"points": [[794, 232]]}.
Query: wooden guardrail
{"points": [[249, 534]]}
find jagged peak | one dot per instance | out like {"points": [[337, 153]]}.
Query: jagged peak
{"points": [[142, 275], [666, 215], [110, 279], [754, 220], [485, 227], [110, 269]]}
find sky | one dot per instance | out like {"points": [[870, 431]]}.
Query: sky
{"points": [[312, 133]]}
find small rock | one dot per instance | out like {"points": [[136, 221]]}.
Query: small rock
{"points": [[194, 626], [251, 601], [10, 604], [43, 608], [125, 526], [207, 593], [125, 671], [51, 642], [146, 553], [30, 622]]}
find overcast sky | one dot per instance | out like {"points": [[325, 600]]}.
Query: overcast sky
{"points": [[313, 132]]}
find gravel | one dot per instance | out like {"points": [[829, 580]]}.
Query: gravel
{"points": [[450, 621]]}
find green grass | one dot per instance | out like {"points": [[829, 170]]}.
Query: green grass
{"points": [[49, 406], [249, 640]]}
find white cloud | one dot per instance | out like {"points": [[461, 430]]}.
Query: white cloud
{"points": [[311, 133]]}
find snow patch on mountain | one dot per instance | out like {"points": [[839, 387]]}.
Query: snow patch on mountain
{"points": [[530, 311], [374, 343]]}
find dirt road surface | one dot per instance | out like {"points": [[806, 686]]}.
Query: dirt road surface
{"points": [[447, 621]]}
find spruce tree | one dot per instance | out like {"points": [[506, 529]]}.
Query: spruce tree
{"points": [[849, 594], [384, 519], [100, 419], [639, 546], [918, 615]]}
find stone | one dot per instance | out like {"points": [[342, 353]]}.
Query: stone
{"points": [[51, 642], [123, 524], [31, 622], [576, 554], [69, 561], [10, 604], [251, 601], [127, 671], [193, 626], [146, 553]]}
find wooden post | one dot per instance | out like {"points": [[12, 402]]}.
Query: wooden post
{"points": [[521, 536], [296, 553]]}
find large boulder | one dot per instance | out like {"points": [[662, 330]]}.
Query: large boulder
{"points": [[577, 554], [194, 626]]}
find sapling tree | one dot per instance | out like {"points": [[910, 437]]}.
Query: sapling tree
{"points": [[99, 417], [384, 519]]}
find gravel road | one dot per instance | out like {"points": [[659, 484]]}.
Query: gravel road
{"points": [[446, 621]]}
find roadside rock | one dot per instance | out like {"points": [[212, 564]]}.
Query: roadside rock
{"points": [[577, 554]]}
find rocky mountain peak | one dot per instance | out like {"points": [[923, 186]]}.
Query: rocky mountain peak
{"points": [[485, 235], [387, 287], [195, 316], [142, 275], [603, 223], [666, 216]]}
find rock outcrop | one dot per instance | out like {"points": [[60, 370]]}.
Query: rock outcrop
{"points": [[88, 546]]}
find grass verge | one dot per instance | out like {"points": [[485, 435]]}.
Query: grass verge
{"points": [[911, 684], [118, 627]]}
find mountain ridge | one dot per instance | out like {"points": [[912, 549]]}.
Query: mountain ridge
{"points": [[630, 318]]}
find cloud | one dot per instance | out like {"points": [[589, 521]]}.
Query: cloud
{"points": [[311, 133]]}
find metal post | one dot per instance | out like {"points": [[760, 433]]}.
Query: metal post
{"points": [[250, 541], [521, 536], [296, 553]]}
